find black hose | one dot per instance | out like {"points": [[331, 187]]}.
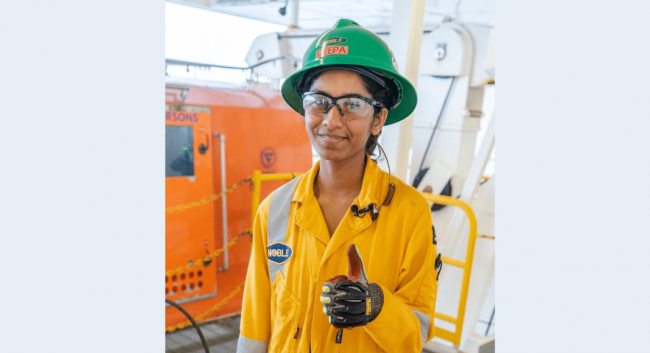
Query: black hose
{"points": [[442, 110], [205, 345]]}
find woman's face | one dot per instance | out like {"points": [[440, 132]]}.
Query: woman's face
{"points": [[333, 137]]}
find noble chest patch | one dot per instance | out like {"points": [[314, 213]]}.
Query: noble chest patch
{"points": [[279, 253]]}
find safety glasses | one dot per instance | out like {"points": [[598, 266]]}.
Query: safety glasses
{"points": [[350, 107]]}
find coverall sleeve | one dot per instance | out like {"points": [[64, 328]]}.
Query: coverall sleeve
{"points": [[405, 321], [255, 328]]}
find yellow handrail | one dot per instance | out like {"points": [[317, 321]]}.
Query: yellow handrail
{"points": [[454, 337], [445, 317], [258, 178], [452, 262]]}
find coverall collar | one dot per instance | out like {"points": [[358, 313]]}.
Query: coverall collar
{"points": [[373, 190]]}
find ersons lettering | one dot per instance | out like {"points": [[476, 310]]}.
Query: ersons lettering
{"points": [[181, 117], [279, 253]]}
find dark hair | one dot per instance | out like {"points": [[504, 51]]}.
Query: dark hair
{"points": [[378, 93]]}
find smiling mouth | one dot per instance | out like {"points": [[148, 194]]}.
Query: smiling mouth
{"points": [[331, 137]]}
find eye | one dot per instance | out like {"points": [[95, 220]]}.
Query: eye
{"points": [[354, 104], [315, 101], [321, 101]]}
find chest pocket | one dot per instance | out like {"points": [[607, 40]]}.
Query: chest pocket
{"points": [[285, 314]]}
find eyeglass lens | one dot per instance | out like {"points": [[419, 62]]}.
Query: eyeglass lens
{"points": [[349, 107]]}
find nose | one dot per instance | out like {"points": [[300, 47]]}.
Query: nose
{"points": [[333, 117]]}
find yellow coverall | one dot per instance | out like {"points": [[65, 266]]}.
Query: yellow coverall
{"points": [[398, 254]]}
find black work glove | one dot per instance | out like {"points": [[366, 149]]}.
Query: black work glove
{"points": [[351, 301]]}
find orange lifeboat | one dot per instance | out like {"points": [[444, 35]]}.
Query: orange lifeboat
{"points": [[216, 137]]}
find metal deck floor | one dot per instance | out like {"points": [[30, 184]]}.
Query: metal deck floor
{"points": [[220, 336]]}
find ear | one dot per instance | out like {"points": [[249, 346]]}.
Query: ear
{"points": [[379, 121]]}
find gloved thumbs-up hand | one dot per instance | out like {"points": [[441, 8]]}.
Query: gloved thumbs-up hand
{"points": [[350, 300]]}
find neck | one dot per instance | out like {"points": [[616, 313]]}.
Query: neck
{"points": [[339, 178]]}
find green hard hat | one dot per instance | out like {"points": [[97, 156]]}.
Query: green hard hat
{"points": [[351, 47]]}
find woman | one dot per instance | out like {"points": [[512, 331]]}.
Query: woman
{"points": [[345, 215]]}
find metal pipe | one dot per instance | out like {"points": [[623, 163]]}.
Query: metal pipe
{"points": [[255, 199], [191, 63], [469, 259], [453, 262], [455, 336], [444, 334], [315, 35], [257, 180], [294, 14], [224, 203], [278, 176], [407, 42], [445, 317]]}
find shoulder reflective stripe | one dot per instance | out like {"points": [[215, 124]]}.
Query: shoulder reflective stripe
{"points": [[425, 322], [245, 345], [279, 212]]}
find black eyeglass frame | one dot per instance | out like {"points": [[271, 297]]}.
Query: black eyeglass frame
{"points": [[332, 100]]}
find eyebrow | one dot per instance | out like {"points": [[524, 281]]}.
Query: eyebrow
{"points": [[350, 95]]}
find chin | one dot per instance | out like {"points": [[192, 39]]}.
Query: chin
{"points": [[335, 155], [330, 155]]}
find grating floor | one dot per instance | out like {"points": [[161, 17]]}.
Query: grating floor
{"points": [[220, 336]]}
